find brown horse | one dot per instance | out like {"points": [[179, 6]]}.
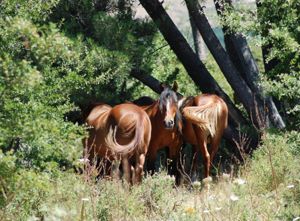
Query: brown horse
{"points": [[120, 133], [205, 119], [166, 123]]}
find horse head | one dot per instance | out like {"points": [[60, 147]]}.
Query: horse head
{"points": [[169, 108]]}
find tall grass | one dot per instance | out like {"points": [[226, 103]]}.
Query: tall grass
{"points": [[267, 188]]}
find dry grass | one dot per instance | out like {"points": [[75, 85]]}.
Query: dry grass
{"points": [[264, 190]]}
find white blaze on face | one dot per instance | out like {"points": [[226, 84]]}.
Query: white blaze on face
{"points": [[168, 106]]}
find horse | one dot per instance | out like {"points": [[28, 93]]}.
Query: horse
{"points": [[119, 133], [166, 123], [205, 119]]}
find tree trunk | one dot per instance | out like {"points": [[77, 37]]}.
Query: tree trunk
{"points": [[195, 68], [198, 42], [252, 103], [240, 53]]}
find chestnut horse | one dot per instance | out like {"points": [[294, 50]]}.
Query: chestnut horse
{"points": [[166, 123], [120, 133], [205, 119]]}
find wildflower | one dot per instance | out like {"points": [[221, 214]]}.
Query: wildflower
{"points": [[207, 180], [206, 211], [234, 197], [218, 208], [83, 160], [226, 176], [239, 181], [190, 210], [196, 185], [211, 197]]}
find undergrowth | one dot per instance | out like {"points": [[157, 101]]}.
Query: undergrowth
{"points": [[267, 187]]}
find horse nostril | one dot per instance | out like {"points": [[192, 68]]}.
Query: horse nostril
{"points": [[166, 123]]}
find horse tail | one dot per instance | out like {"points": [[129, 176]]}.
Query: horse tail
{"points": [[98, 115], [135, 126], [205, 116]]}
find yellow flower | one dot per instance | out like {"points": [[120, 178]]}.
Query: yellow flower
{"points": [[190, 210]]}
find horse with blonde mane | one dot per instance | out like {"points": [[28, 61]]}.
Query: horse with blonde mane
{"points": [[205, 119], [119, 133]]}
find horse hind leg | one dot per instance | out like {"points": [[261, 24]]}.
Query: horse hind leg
{"points": [[139, 166], [202, 142], [194, 166], [215, 143], [126, 169]]}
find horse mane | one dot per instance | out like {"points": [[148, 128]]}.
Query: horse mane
{"points": [[143, 101], [205, 116], [184, 102], [164, 96]]}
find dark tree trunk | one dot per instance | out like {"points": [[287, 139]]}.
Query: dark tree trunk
{"points": [[198, 42], [101, 5], [240, 53], [195, 68], [146, 79], [252, 103]]}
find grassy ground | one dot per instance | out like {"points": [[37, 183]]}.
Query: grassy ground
{"points": [[267, 187]]}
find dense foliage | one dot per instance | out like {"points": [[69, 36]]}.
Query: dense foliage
{"points": [[274, 25], [57, 57]]}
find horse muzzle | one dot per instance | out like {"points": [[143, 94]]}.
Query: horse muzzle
{"points": [[169, 124]]}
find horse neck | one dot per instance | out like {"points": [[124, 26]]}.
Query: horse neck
{"points": [[153, 111]]}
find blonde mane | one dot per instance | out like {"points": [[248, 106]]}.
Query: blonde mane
{"points": [[206, 116]]}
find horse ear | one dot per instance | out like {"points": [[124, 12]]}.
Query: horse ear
{"points": [[162, 86], [175, 86]]}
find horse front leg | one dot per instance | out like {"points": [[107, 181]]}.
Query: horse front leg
{"points": [[175, 166], [151, 158]]}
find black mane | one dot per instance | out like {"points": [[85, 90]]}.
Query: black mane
{"points": [[166, 95], [144, 100]]}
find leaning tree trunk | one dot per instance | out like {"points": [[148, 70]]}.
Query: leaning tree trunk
{"points": [[195, 68], [240, 53], [193, 65], [198, 42], [252, 103]]}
